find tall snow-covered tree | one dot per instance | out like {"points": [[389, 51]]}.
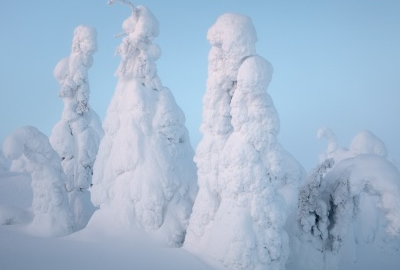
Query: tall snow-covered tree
{"points": [[76, 137], [247, 182], [144, 174], [52, 215], [352, 197]]}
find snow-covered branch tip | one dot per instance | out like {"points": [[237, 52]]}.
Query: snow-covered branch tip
{"points": [[124, 2]]}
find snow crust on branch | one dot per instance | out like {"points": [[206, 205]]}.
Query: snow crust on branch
{"points": [[144, 175], [245, 177], [52, 215], [76, 137], [353, 196]]}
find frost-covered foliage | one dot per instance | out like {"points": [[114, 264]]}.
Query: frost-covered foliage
{"points": [[50, 206], [144, 174], [77, 136], [351, 197], [248, 182]]}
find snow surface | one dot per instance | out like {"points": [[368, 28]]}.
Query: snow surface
{"points": [[76, 137], [248, 183], [144, 177]]}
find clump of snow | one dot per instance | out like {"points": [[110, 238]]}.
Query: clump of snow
{"points": [[247, 182], [349, 199], [50, 206], [76, 137], [144, 175]]}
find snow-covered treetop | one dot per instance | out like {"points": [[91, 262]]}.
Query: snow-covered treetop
{"points": [[365, 142], [72, 72], [137, 51], [234, 34]]}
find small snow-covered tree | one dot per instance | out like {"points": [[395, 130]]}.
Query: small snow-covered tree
{"points": [[52, 215], [76, 137], [248, 182], [351, 197], [144, 174]]}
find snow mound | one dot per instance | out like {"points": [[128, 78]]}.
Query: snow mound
{"points": [[50, 206], [144, 176]]}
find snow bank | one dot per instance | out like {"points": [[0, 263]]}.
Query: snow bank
{"points": [[76, 137], [50, 206], [144, 176], [248, 182], [350, 199]]}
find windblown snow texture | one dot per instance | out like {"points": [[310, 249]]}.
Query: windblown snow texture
{"points": [[144, 174], [76, 137], [52, 215], [248, 182], [351, 198]]}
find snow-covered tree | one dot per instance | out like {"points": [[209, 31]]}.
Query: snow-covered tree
{"points": [[52, 215], [76, 137], [248, 183], [144, 174], [351, 197]]}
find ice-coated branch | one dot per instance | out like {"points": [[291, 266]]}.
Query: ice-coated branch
{"points": [[124, 2]]}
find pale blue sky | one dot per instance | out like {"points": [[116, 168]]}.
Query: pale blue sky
{"points": [[336, 63]]}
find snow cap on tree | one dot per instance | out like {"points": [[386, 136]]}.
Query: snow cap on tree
{"points": [[52, 216]]}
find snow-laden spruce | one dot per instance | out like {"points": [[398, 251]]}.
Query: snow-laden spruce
{"points": [[144, 174], [52, 215], [248, 183], [351, 198], [76, 137]]}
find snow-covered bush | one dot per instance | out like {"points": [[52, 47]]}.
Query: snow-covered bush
{"points": [[352, 197], [248, 182], [52, 215], [144, 174], [76, 137]]}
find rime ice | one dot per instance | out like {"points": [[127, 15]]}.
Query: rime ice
{"points": [[144, 174], [248, 182], [76, 137]]}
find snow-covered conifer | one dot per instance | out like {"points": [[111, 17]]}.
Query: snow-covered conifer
{"points": [[50, 205], [76, 137], [351, 197], [248, 182], [144, 173]]}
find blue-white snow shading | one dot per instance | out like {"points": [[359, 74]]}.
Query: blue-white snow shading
{"points": [[76, 137], [144, 174], [248, 184], [52, 215], [349, 204]]}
